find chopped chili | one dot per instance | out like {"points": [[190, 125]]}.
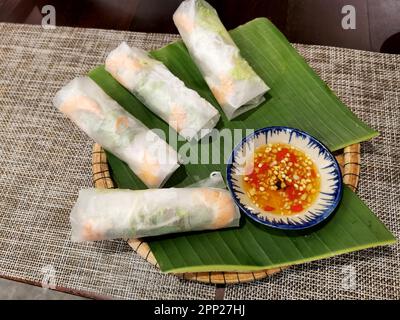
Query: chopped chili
{"points": [[284, 180]]}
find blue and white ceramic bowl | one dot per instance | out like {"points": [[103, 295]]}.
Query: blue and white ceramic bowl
{"points": [[331, 180]]}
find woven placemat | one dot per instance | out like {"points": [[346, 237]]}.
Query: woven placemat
{"points": [[349, 161], [45, 160]]}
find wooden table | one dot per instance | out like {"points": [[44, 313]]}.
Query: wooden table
{"points": [[302, 21]]}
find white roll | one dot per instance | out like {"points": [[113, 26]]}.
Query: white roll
{"points": [[231, 79], [162, 92], [107, 123], [101, 214]]}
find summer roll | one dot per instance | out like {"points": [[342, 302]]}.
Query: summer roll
{"points": [[233, 82], [107, 123], [162, 92], [103, 214]]}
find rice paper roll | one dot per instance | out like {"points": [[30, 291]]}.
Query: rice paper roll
{"points": [[106, 122], [231, 79], [101, 214], [162, 92]]}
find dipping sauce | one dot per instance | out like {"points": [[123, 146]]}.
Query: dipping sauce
{"points": [[284, 179]]}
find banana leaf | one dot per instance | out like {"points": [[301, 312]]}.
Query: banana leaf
{"points": [[298, 98]]}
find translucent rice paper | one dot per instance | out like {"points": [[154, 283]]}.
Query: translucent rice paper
{"points": [[101, 214], [106, 122], [163, 93], [233, 82]]}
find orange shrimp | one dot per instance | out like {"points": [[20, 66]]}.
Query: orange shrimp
{"points": [[78, 103], [223, 90], [184, 22], [122, 62], [121, 121], [177, 118], [148, 171], [224, 205], [89, 234]]}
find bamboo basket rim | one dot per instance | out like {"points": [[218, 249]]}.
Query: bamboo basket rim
{"points": [[348, 158]]}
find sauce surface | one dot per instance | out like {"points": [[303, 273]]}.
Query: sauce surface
{"points": [[284, 180]]}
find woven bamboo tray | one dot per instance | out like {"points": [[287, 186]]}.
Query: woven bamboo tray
{"points": [[349, 161]]}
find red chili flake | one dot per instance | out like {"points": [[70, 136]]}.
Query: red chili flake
{"points": [[313, 174], [253, 175], [292, 158], [268, 208], [281, 154], [264, 166], [253, 179], [297, 208], [291, 192]]}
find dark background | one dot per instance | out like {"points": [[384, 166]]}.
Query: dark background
{"points": [[302, 21]]}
